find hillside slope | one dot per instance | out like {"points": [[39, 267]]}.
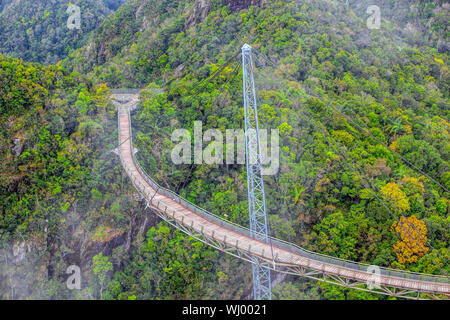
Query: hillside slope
{"points": [[54, 177], [393, 82], [66, 201], [122, 49], [64, 195], [37, 30]]}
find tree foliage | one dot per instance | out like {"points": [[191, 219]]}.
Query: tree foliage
{"points": [[413, 233]]}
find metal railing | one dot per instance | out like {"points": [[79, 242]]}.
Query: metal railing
{"points": [[347, 264], [125, 91]]}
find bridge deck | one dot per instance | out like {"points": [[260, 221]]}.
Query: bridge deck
{"points": [[210, 228]]}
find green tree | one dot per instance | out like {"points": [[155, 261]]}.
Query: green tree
{"points": [[101, 266]]}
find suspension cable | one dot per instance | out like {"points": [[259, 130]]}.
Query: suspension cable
{"points": [[356, 124], [229, 80], [211, 78], [322, 130], [269, 227], [275, 177], [372, 183]]}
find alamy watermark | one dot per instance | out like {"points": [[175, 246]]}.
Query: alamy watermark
{"points": [[374, 20], [74, 280], [374, 280], [74, 20], [214, 151]]}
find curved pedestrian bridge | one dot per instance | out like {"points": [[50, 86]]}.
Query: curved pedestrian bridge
{"points": [[278, 255]]}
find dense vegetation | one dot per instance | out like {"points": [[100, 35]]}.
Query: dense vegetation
{"points": [[55, 181], [393, 82], [420, 22], [37, 30], [64, 200], [394, 88]]}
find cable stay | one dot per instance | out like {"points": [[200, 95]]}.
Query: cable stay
{"points": [[367, 132], [323, 132], [387, 199], [229, 80], [209, 79]]}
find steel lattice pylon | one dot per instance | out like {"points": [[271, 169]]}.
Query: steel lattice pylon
{"points": [[255, 183]]}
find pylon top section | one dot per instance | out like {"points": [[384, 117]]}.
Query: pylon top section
{"points": [[246, 47]]}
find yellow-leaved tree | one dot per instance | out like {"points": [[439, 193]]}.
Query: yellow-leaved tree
{"points": [[394, 193], [413, 233]]}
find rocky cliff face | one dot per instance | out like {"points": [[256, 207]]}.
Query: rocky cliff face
{"points": [[202, 8], [237, 5], [27, 264], [200, 13]]}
